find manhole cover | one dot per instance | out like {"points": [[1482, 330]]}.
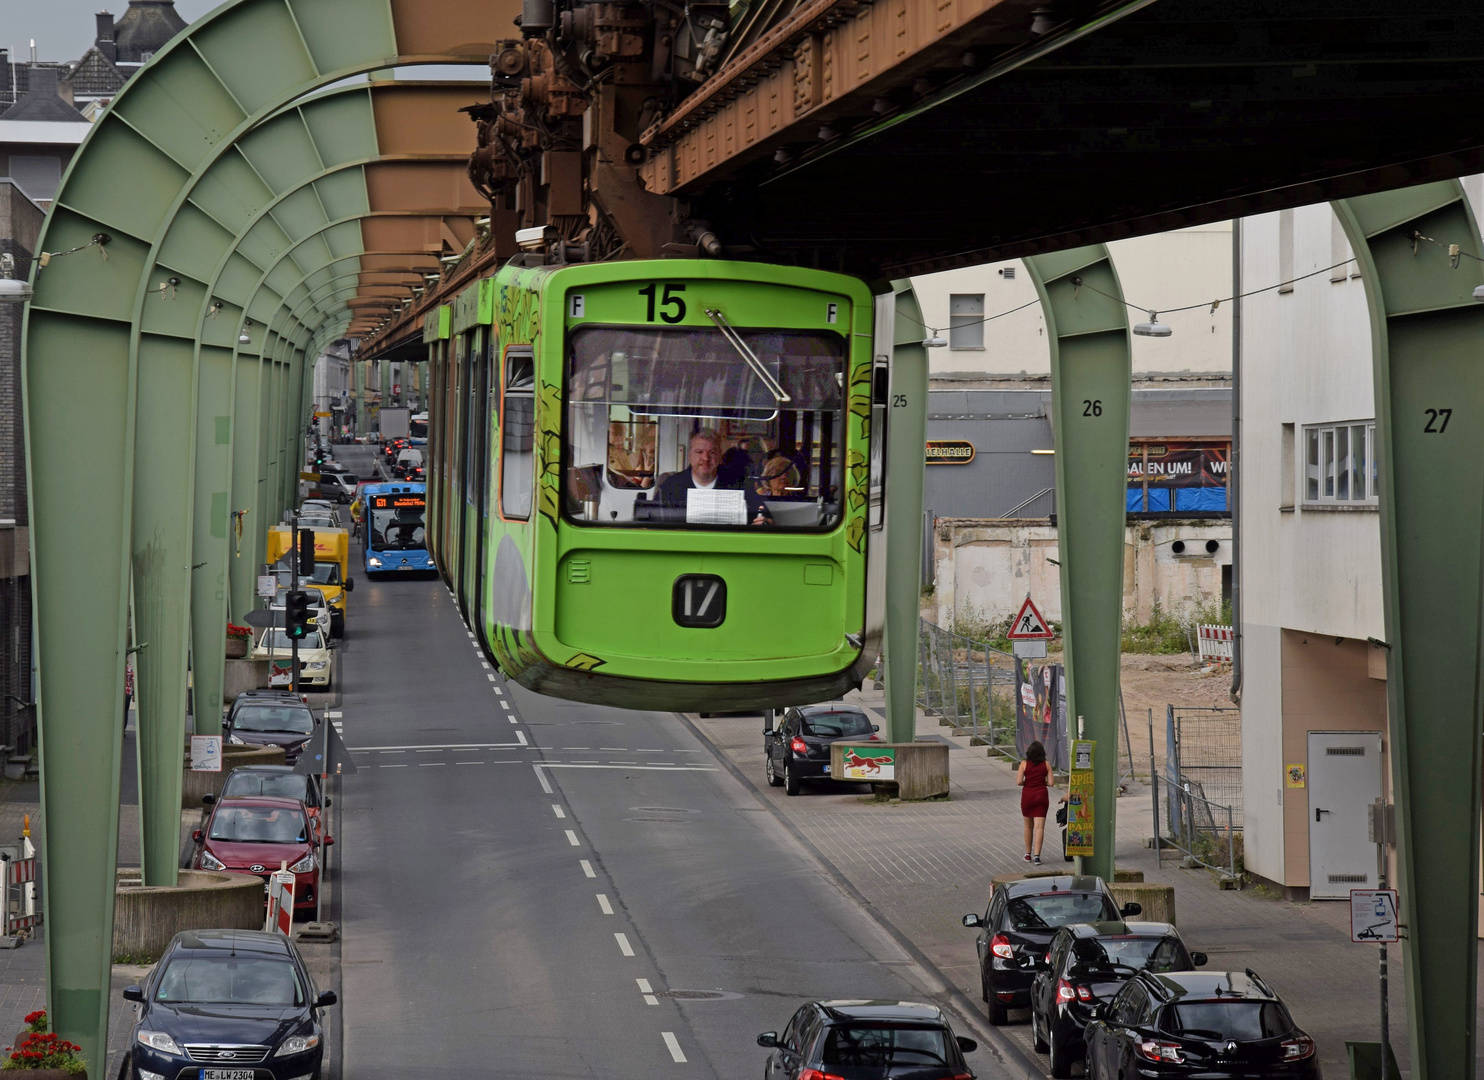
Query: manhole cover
{"points": [[699, 995], [660, 820], [662, 810]]}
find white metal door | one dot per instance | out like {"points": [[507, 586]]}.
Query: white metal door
{"points": [[1344, 780]]}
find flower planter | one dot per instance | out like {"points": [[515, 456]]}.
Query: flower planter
{"points": [[236, 648], [51, 1074]]}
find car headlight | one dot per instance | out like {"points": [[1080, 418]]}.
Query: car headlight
{"points": [[211, 862], [304, 865], [373, 562], [158, 1040], [235, 741], [318, 665], [297, 1044]]}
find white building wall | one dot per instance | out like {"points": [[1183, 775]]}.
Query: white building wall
{"points": [[1166, 270]]}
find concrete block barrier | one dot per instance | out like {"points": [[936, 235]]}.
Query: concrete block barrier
{"points": [[241, 676], [1158, 901], [145, 919], [918, 770]]}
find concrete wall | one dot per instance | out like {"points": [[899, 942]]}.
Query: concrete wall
{"points": [[1175, 269], [145, 920], [992, 565]]}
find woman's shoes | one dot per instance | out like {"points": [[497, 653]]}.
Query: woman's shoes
{"points": [[1036, 859], [1027, 856]]}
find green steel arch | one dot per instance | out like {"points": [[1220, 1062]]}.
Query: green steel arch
{"points": [[139, 388]]}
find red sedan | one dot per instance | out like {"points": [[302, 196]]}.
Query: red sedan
{"points": [[258, 834]]}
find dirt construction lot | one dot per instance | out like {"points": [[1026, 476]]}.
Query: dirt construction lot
{"points": [[1153, 682]]}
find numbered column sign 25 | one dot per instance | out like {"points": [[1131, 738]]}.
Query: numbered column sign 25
{"points": [[666, 300], [1437, 420]]}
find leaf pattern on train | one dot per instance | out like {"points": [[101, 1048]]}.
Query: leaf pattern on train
{"points": [[860, 391], [585, 662], [549, 451]]}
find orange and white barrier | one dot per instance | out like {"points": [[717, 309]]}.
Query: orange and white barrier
{"points": [[281, 903]]}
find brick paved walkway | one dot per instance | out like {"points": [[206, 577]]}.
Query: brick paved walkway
{"points": [[923, 866]]}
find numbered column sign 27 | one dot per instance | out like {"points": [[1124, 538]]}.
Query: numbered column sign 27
{"points": [[699, 600]]}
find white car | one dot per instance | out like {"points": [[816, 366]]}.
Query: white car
{"points": [[315, 658]]}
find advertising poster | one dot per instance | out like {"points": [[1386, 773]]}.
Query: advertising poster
{"points": [[1041, 710], [1079, 798], [870, 763]]}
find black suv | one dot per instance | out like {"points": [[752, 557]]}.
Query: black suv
{"points": [[1214, 1025], [882, 1040], [271, 718], [1088, 964], [1016, 928], [227, 1003], [799, 748]]}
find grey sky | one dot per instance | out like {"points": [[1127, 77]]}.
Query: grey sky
{"points": [[64, 29]]}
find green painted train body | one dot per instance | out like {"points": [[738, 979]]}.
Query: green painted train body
{"points": [[569, 408]]}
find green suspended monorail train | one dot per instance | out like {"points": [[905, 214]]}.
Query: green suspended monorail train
{"points": [[659, 484]]}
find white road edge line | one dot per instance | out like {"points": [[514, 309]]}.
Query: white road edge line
{"points": [[623, 944], [587, 868], [649, 768], [490, 675], [650, 999], [644, 987], [674, 1045], [442, 746], [521, 735], [559, 811], [545, 783], [572, 839], [603, 904]]}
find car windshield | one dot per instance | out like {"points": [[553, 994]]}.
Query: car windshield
{"points": [[836, 724], [293, 719], [1127, 952], [674, 427], [325, 573], [282, 785], [278, 640], [258, 825], [1050, 910], [230, 980], [884, 1044], [396, 522], [316, 523], [1244, 1021]]}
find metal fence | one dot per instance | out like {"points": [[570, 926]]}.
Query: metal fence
{"points": [[969, 684], [1202, 788]]}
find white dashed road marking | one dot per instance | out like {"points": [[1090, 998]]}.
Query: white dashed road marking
{"points": [[623, 944], [603, 903], [541, 776], [559, 811], [587, 868], [572, 839], [674, 1045]]}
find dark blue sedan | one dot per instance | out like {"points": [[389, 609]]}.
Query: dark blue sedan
{"points": [[227, 1005]]}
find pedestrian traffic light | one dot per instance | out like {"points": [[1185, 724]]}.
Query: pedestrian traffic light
{"points": [[306, 552], [297, 618]]}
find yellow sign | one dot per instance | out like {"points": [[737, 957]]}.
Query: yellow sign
{"points": [[949, 451], [312, 477], [1079, 798], [325, 415], [1296, 774]]}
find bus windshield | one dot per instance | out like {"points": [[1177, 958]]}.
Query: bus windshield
{"points": [[680, 427], [397, 523]]}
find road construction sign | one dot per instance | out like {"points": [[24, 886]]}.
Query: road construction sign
{"points": [[1028, 624]]}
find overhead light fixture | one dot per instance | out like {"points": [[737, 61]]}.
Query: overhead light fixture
{"points": [[13, 290], [1043, 451], [1042, 20], [245, 338], [1152, 328], [1479, 293]]}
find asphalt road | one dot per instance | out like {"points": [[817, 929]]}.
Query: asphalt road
{"points": [[537, 888]]}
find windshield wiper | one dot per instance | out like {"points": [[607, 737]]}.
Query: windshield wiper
{"points": [[734, 339]]}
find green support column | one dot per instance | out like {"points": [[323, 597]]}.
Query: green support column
{"points": [[385, 368], [211, 526], [360, 397], [1427, 336], [1091, 391], [244, 512], [164, 488], [906, 448]]}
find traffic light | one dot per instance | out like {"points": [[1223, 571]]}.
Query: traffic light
{"points": [[297, 618], [306, 552]]}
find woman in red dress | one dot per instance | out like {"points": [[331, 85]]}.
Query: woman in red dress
{"points": [[1034, 777]]}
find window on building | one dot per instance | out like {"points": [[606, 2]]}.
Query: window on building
{"points": [[38, 175], [966, 321], [1340, 463]]}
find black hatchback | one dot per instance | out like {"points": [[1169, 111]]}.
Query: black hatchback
{"points": [[227, 1005], [867, 1040], [1213, 1025], [799, 748], [1015, 931], [271, 718], [1087, 964]]}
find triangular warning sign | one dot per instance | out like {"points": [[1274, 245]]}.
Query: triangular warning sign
{"points": [[1028, 625]]}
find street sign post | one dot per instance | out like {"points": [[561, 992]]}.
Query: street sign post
{"points": [[206, 753], [1029, 625], [1373, 916]]}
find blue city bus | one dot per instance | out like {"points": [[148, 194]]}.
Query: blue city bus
{"points": [[395, 536]]}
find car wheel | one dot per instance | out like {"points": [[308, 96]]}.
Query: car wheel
{"points": [[790, 781], [126, 1071], [771, 771], [1037, 1039], [1061, 1061], [999, 1012]]}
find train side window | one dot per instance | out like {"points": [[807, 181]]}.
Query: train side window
{"points": [[518, 435]]}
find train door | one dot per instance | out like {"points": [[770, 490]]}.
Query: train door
{"points": [[459, 451], [473, 474], [487, 422], [435, 465]]}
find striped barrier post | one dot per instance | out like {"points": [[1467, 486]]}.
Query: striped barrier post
{"points": [[281, 902], [1216, 642]]}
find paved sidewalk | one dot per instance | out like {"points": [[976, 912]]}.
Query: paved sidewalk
{"points": [[922, 866]]}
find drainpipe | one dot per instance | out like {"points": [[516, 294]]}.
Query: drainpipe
{"points": [[1233, 466]]}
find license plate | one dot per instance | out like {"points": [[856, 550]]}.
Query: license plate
{"points": [[826, 770], [226, 1074]]}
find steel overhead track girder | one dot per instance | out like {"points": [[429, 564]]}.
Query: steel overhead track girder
{"points": [[80, 332], [1091, 389], [1427, 336]]}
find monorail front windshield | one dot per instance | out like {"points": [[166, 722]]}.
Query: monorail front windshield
{"points": [[688, 427], [397, 523]]}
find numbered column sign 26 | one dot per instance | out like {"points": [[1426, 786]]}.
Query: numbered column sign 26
{"points": [[664, 300], [699, 600]]}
